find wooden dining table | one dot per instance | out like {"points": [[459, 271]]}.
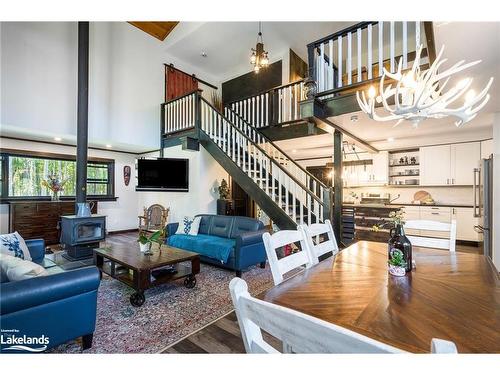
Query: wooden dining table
{"points": [[449, 295]]}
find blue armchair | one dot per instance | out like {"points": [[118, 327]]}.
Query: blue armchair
{"points": [[59, 307], [233, 242]]}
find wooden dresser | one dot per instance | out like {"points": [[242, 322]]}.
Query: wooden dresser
{"points": [[40, 219]]}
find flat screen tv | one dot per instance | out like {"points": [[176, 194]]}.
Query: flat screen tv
{"points": [[163, 174]]}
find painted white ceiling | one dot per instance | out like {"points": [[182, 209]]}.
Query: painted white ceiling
{"points": [[462, 40], [228, 44]]}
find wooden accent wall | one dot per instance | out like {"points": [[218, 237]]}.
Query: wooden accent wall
{"points": [[298, 67], [40, 219]]}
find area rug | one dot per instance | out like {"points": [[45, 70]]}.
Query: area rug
{"points": [[171, 311]]}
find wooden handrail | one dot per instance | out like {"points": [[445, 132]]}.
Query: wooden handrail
{"points": [[182, 96], [350, 29]]}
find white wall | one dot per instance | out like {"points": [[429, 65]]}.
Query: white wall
{"points": [[39, 81], [204, 174], [121, 214], [496, 191]]}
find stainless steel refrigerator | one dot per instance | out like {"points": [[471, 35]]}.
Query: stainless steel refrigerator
{"points": [[483, 203]]}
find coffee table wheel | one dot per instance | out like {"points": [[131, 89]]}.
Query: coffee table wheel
{"points": [[190, 281], [137, 299]]}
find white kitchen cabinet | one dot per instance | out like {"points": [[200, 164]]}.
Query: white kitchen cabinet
{"points": [[466, 221], [376, 173], [464, 158], [449, 164], [486, 148], [441, 214], [435, 165], [411, 213], [380, 168]]}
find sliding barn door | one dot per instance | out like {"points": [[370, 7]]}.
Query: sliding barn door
{"points": [[178, 83]]}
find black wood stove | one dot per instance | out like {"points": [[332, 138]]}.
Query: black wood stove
{"points": [[81, 235]]}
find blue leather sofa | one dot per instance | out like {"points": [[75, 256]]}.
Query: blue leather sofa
{"points": [[61, 306], [233, 242]]}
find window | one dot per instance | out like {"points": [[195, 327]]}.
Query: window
{"points": [[23, 172]]}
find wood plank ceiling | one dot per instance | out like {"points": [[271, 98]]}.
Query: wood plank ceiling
{"points": [[159, 30]]}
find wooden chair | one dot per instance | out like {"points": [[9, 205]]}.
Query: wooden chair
{"points": [[313, 233], [154, 218], [433, 226], [305, 333], [281, 266]]}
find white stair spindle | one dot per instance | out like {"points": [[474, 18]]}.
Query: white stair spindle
{"points": [[392, 46], [322, 67], [417, 35], [359, 57], [370, 52], [380, 48], [290, 98], [405, 44], [331, 83], [339, 45], [349, 58]]}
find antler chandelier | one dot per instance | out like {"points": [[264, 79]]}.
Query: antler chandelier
{"points": [[259, 58], [419, 95]]}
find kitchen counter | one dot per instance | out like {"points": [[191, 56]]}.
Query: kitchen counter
{"points": [[401, 205]]}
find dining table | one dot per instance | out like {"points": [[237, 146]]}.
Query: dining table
{"points": [[447, 295]]}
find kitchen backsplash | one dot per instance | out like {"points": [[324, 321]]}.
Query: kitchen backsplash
{"points": [[441, 195]]}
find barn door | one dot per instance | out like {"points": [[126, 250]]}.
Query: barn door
{"points": [[178, 83]]}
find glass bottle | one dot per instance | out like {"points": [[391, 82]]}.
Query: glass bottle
{"points": [[399, 241]]}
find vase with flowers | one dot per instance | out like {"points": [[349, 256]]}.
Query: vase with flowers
{"points": [[55, 184]]}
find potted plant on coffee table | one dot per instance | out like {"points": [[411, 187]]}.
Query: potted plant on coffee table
{"points": [[146, 241], [397, 263]]}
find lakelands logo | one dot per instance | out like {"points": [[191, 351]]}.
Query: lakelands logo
{"points": [[11, 340]]}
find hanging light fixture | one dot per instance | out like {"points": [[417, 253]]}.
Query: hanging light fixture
{"points": [[419, 95], [259, 58]]}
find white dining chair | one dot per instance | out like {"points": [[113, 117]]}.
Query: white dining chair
{"points": [[448, 243], [277, 240], [313, 233], [305, 333]]}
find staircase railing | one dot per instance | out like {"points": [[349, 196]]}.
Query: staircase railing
{"points": [[299, 202], [359, 53], [179, 114], [279, 105], [273, 151]]}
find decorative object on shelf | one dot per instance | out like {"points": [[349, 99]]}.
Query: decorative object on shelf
{"points": [[224, 203], [413, 160], [224, 190], [145, 241], [55, 184], [397, 264], [419, 95], [126, 174], [259, 58]]}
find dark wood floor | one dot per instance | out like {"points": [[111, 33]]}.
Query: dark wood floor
{"points": [[223, 336]]}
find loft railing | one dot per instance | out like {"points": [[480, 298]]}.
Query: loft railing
{"points": [[276, 153], [360, 52], [300, 203], [179, 114], [279, 105]]}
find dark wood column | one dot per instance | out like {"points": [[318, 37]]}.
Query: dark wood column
{"points": [[82, 112], [337, 184]]}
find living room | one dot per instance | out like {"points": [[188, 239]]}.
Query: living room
{"points": [[177, 191]]}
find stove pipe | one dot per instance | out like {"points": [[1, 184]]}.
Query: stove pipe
{"points": [[82, 113]]}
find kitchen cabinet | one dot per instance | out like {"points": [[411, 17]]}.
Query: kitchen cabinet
{"points": [[486, 148], [411, 213], [464, 158], [380, 168], [441, 214], [466, 221], [376, 173], [449, 164], [435, 165]]}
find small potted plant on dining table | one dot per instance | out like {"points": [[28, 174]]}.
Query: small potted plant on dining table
{"points": [[397, 263], [145, 241]]}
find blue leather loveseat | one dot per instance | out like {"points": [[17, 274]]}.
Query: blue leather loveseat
{"points": [[233, 242], [60, 307]]}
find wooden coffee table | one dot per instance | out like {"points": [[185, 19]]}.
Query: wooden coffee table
{"points": [[125, 263]]}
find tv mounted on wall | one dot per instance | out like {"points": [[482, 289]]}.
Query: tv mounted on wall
{"points": [[163, 174]]}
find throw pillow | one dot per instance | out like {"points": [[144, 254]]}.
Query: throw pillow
{"points": [[17, 269], [195, 226], [13, 244], [185, 225]]}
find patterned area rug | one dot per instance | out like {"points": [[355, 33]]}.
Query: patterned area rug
{"points": [[171, 311]]}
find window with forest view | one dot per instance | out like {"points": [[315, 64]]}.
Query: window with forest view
{"points": [[22, 176]]}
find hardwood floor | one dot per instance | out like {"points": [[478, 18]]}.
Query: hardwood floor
{"points": [[223, 335]]}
